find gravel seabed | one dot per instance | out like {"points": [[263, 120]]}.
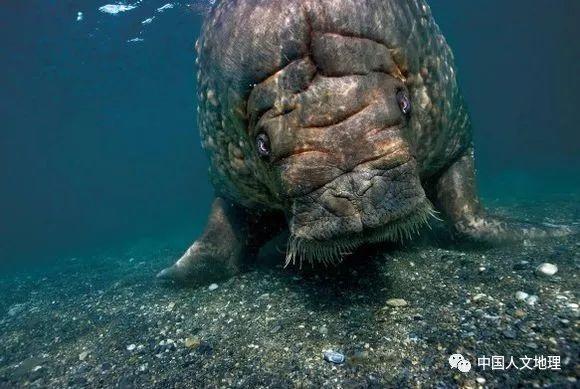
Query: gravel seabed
{"points": [[105, 322]]}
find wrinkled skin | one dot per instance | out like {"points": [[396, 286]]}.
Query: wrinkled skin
{"points": [[346, 162]]}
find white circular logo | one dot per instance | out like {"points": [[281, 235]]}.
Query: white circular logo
{"points": [[464, 366], [458, 362]]}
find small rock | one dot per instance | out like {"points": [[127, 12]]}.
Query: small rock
{"points": [[522, 265], [396, 303], [546, 269], [192, 342], [276, 328], [323, 330], [479, 296], [36, 373], [333, 357], [519, 313], [521, 295], [83, 355], [171, 306], [212, 287], [480, 380], [510, 334], [532, 300], [106, 366], [131, 347]]}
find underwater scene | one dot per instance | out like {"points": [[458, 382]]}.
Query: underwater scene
{"points": [[289, 194]]}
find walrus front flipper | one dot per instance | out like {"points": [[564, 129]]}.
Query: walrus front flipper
{"points": [[219, 252], [456, 198]]}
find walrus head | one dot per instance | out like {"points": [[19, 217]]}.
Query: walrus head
{"points": [[304, 106], [338, 148]]}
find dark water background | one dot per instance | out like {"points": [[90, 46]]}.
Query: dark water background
{"points": [[98, 142]]}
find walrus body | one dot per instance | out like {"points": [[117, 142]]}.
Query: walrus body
{"points": [[341, 120]]}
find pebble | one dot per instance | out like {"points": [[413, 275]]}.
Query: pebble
{"points": [[192, 342], [479, 296], [396, 303], [480, 380], [131, 347], [333, 357], [276, 328], [83, 355], [522, 265], [510, 334], [522, 295], [212, 287], [546, 269], [532, 300]]}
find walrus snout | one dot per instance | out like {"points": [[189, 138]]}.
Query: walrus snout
{"points": [[369, 204], [356, 203]]}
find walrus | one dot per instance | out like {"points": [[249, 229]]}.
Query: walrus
{"points": [[340, 120]]}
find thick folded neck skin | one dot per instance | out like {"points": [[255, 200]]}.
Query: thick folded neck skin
{"points": [[304, 97]]}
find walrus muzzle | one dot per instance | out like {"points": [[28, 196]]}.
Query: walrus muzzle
{"points": [[365, 205]]}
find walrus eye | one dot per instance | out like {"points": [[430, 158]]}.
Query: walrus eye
{"points": [[404, 101], [263, 145]]}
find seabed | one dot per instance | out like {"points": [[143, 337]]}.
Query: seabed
{"points": [[105, 322]]}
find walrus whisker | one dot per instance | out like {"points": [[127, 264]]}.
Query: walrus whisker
{"points": [[333, 251]]}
